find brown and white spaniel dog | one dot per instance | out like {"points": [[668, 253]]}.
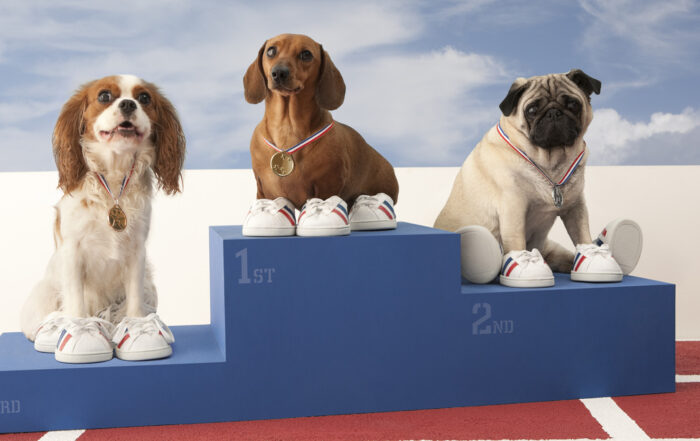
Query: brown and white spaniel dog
{"points": [[118, 131]]}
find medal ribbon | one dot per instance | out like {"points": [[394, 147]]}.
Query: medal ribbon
{"points": [[568, 173], [125, 182], [303, 143]]}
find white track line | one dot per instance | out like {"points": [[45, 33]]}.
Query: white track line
{"points": [[614, 420], [687, 378], [62, 435]]}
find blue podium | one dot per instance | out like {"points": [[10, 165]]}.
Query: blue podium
{"points": [[371, 322]]}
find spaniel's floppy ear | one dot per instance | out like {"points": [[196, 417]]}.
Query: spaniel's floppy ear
{"points": [[169, 141], [510, 102], [254, 81], [67, 151], [330, 90]]}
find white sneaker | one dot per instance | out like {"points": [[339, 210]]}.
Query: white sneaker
{"points": [[84, 340], [595, 263], [481, 254], [48, 332], [373, 213], [624, 237], [324, 218], [142, 338], [270, 218], [526, 269]]}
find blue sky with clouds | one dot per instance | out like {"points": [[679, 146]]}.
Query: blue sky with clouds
{"points": [[424, 79]]}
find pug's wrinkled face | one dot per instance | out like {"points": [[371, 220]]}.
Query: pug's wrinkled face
{"points": [[552, 110]]}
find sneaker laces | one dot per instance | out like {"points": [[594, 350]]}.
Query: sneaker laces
{"points": [[366, 201], [525, 256], [91, 325], [591, 249], [151, 324], [266, 205], [315, 206], [52, 322]]}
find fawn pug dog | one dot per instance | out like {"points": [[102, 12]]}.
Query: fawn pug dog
{"points": [[525, 172]]}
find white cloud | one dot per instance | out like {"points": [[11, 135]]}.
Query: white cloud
{"points": [[423, 105], [614, 140], [197, 54], [661, 30]]}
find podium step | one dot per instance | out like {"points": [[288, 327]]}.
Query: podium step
{"points": [[371, 322]]}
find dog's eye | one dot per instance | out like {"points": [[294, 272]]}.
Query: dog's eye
{"points": [[573, 105], [271, 51], [144, 98], [531, 110], [306, 55], [104, 97]]}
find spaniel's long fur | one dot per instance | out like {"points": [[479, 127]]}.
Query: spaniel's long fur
{"points": [[109, 126]]}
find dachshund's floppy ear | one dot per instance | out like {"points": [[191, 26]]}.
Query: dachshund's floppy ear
{"points": [[169, 141], [584, 82], [330, 89], [254, 82], [510, 102], [67, 151]]}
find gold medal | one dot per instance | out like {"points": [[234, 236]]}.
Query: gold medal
{"points": [[282, 164], [117, 218]]}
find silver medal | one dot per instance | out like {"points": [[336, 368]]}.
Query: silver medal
{"points": [[557, 196]]}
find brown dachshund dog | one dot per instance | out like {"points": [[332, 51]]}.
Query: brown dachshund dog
{"points": [[300, 84]]}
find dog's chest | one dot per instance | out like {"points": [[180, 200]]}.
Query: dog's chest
{"points": [[86, 221]]}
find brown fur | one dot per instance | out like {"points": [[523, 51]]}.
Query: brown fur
{"points": [[339, 163]]}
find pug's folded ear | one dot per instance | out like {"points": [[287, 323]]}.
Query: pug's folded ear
{"points": [[510, 102], [584, 82]]}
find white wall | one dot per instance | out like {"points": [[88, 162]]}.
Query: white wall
{"points": [[663, 200]]}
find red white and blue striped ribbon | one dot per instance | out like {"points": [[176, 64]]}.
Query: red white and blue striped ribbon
{"points": [[125, 182], [568, 173], [303, 143]]}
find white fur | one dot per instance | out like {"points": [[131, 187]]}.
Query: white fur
{"points": [[96, 270]]}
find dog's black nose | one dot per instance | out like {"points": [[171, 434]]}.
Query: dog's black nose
{"points": [[127, 106], [279, 73], [553, 114]]}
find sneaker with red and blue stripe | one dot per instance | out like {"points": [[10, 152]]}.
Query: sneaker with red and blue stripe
{"points": [[84, 340], [270, 218], [624, 237], [594, 263], [324, 218], [142, 338], [526, 269], [373, 213]]}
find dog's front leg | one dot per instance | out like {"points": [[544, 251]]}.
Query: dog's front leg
{"points": [[576, 222], [511, 220], [72, 280], [133, 283]]}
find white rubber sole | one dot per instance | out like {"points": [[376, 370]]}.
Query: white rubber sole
{"points": [[624, 237], [97, 357], [153, 354], [46, 347], [481, 254], [268, 232], [596, 277], [316, 232], [527, 283], [388, 224]]}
